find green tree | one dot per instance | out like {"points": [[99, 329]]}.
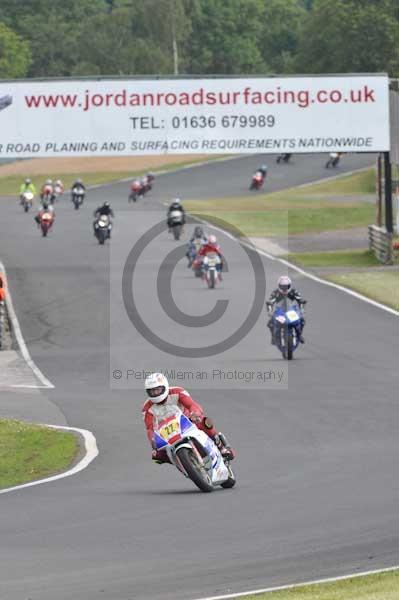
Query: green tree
{"points": [[342, 36], [282, 24], [15, 54], [225, 38], [109, 44], [54, 32]]}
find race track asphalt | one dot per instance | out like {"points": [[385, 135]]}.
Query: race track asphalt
{"points": [[317, 490]]}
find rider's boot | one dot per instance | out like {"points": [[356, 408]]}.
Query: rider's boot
{"points": [[226, 450]]}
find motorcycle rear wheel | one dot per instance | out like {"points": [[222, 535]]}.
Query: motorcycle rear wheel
{"points": [[194, 470]]}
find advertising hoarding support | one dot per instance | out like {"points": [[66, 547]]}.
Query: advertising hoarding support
{"points": [[388, 193]]}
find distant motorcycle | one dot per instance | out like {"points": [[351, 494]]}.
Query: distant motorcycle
{"points": [[102, 228], [27, 201], [46, 220], [148, 181], [333, 160], [78, 195], [136, 190], [212, 267], [58, 191], [192, 451], [283, 157], [286, 321], [193, 249], [257, 181], [176, 223], [47, 194]]}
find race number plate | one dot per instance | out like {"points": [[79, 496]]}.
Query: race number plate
{"points": [[170, 429]]}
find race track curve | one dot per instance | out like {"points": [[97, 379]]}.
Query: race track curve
{"points": [[317, 491]]}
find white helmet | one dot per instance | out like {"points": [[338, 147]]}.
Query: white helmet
{"points": [[284, 284], [157, 387], [212, 239], [177, 201], [49, 182]]}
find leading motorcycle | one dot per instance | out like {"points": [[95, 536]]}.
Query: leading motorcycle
{"points": [[287, 324], [333, 159], [283, 157], [192, 451]]}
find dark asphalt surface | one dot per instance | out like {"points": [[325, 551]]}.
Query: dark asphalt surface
{"points": [[317, 491]]}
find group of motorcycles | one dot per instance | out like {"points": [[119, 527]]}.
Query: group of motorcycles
{"points": [[49, 195], [139, 187]]}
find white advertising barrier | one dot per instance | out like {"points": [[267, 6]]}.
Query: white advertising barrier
{"points": [[180, 116]]}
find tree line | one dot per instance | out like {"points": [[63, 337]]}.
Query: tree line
{"points": [[69, 38]]}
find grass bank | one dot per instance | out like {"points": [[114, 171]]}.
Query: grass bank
{"points": [[29, 452], [382, 586], [381, 286], [308, 209], [338, 258], [273, 217], [362, 182]]}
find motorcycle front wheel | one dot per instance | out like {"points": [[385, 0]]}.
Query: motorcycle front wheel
{"points": [[196, 472], [211, 279], [289, 348]]}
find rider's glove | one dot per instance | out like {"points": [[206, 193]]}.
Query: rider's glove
{"points": [[195, 418]]}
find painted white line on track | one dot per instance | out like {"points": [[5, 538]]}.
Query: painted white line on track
{"points": [[300, 585], [336, 286], [28, 386], [18, 334], [290, 265], [332, 178], [90, 455]]}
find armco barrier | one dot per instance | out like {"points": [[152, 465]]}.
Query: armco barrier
{"points": [[380, 241]]}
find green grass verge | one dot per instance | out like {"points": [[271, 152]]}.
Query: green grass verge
{"points": [[9, 186], [338, 258], [382, 586], [29, 452], [282, 221], [382, 286], [311, 208], [362, 182]]}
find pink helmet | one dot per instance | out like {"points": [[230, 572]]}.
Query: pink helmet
{"points": [[212, 240], [284, 284]]}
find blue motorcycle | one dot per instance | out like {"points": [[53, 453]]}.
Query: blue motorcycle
{"points": [[287, 321]]}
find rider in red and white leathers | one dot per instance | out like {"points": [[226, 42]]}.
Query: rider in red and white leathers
{"points": [[211, 247], [160, 395]]}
